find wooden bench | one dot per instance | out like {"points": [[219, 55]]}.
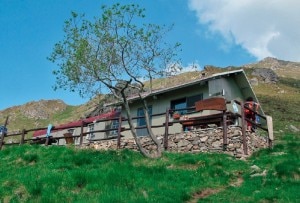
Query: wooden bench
{"points": [[204, 121]]}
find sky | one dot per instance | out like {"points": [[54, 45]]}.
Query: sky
{"points": [[211, 32]]}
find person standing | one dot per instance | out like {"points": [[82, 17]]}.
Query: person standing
{"points": [[250, 113]]}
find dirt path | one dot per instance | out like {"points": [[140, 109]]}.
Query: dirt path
{"points": [[209, 191]]}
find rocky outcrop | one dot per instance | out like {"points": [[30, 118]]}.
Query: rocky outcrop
{"points": [[266, 75], [282, 68], [198, 141], [42, 109]]}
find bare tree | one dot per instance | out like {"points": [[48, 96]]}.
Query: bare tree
{"points": [[115, 48]]}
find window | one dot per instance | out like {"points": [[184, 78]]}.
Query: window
{"points": [[142, 121], [185, 102], [114, 125], [191, 100], [91, 128], [179, 104]]}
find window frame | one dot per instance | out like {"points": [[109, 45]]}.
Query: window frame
{"points": [[91, 128], [187, 102]]}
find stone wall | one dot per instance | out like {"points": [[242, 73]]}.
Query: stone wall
{"points": [[197, 141]]}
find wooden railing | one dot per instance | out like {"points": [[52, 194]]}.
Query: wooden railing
{"points": [[222, 119], [267, 119]]}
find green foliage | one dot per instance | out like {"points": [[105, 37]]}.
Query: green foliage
{"points": [[117, 45], [116, 51]]}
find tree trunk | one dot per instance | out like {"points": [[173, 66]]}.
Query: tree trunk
{"points": [[153, 137], [136, 138], [133, 131]]}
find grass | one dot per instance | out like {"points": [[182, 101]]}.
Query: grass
{"points": [[55, 174], [67, 114], [276, 181]]}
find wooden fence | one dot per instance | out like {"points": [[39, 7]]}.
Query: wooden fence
{"points": [[222, 119]]}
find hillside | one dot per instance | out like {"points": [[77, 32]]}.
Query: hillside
{"points": [[40, 113], [278, 91], [275, 82], [285, 69]]}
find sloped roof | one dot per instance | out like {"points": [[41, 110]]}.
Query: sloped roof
{"points": [[239, 76], [241, 79], [75, 124]]}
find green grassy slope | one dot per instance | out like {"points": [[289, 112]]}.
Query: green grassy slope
{"points": [[56, 174]]}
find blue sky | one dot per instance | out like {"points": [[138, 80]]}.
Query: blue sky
{"points": [[220, 33]]}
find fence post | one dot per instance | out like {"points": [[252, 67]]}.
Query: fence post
{"points": [[244, 129], [224, 131], [47, 141], [119, 132], [2, 135], [166, 129], [81, 133], [270, 130], [23, 136]]}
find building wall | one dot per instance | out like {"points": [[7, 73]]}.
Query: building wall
{"points": [[86, 139], [230, 89], [161, 103], [226, 87]]}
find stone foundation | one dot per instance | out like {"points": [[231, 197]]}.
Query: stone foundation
{"points": [[196, 141]]}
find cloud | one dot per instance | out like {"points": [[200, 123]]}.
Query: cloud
{"points": [[175, 68], [263, 28], [191, 67]]}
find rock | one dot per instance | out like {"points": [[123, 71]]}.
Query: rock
{"points": [[204, 139], [293, 128], [264, 173], [196, 147], [229, 153], [203, 149], [188, 148], [254, 81], [171, 144], [237, 133], [255, 169], [195, 142], [238, 156], [216, 144], [183, 143]]}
